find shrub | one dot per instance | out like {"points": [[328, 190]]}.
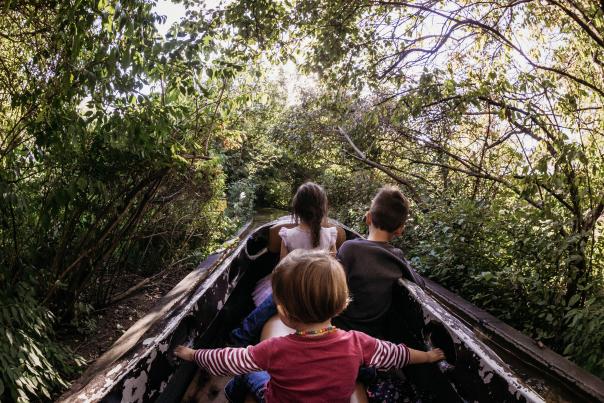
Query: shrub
{"points": [[33, 365], [502, 259]]}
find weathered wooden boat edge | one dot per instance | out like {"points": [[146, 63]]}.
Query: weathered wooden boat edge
{"points": [[497, 333], [490, 365]]}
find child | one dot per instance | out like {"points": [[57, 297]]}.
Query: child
{"points": [[373, 266], [309, 207], [319, 362]]}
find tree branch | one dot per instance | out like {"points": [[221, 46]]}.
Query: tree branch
{"points": [[360, 156]]}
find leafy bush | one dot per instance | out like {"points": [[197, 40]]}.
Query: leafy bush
{"points": [[346, 206], [98, 176], [504, 261], [241, 196], [584, 338], [32, 365]]}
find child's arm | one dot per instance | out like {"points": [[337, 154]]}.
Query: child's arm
{"points": [[389, 355], [220, 361], [422, 357]]}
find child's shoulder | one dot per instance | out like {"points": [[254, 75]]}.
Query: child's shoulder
{"points": [[364, 249], [355, 242], [362, 243], [360, 339], [268, 346], [353, 245], [333, 229], [286, 229]]}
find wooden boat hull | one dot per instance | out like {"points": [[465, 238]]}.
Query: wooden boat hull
{"points": [[215, 297]]}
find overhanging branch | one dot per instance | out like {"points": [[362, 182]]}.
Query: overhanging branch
{"points": [[360, 156]]}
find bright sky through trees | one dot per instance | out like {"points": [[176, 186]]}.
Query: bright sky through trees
{"points": [[173, 12], [287, 73]]}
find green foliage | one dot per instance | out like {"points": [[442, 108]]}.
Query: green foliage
{"points": [[241, 198], [584, 342], [33, 364], [501, 257], [110, 143], [347, 206]]}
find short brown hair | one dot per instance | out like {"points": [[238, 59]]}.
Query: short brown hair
{"points": [[389, 209], [310, 286]]}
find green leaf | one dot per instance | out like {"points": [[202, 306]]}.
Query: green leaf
{"points": [[9, 336], [573, 300]]}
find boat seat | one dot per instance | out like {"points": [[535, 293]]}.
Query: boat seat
{"points": [[274, 240]]}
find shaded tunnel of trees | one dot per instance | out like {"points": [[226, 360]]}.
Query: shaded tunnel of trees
{"points": [[123, 151]]}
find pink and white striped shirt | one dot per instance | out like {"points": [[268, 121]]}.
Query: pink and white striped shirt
{"points": [[309, 369]]}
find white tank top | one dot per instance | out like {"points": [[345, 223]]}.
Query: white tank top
{"points": [[296, 238]]}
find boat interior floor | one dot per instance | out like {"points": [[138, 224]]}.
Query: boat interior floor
{"points": [[204, 389]]}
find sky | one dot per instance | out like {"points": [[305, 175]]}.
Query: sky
{"points": [[175, 12]]}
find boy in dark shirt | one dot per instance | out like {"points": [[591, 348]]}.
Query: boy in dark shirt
{"points": [[373, 266]]}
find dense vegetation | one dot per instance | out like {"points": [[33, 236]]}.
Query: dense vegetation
{"points": [[124, 151]]}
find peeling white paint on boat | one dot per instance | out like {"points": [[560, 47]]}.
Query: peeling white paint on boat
{"points": [[84, 399], [485, 374], [488, 377], [489, 361], [134, 388], [151, 359], [148, 341], [219, 305], [114, 370], [163, 347]]}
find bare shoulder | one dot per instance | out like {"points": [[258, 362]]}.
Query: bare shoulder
{"points": [[274, 239]]}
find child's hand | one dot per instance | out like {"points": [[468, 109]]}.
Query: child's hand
{"points": [[435, 355], [185, 353]]}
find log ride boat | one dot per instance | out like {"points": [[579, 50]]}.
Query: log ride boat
{"points": [[487, 360]]}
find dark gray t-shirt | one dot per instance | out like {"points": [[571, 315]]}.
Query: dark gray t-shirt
{"points": [[372, 270]]}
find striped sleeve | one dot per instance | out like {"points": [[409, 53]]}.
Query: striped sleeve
{"points": [[389, 355], [226, 361]]}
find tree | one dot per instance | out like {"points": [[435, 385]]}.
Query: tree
{"points": [[107, 153], [491, 98]]}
